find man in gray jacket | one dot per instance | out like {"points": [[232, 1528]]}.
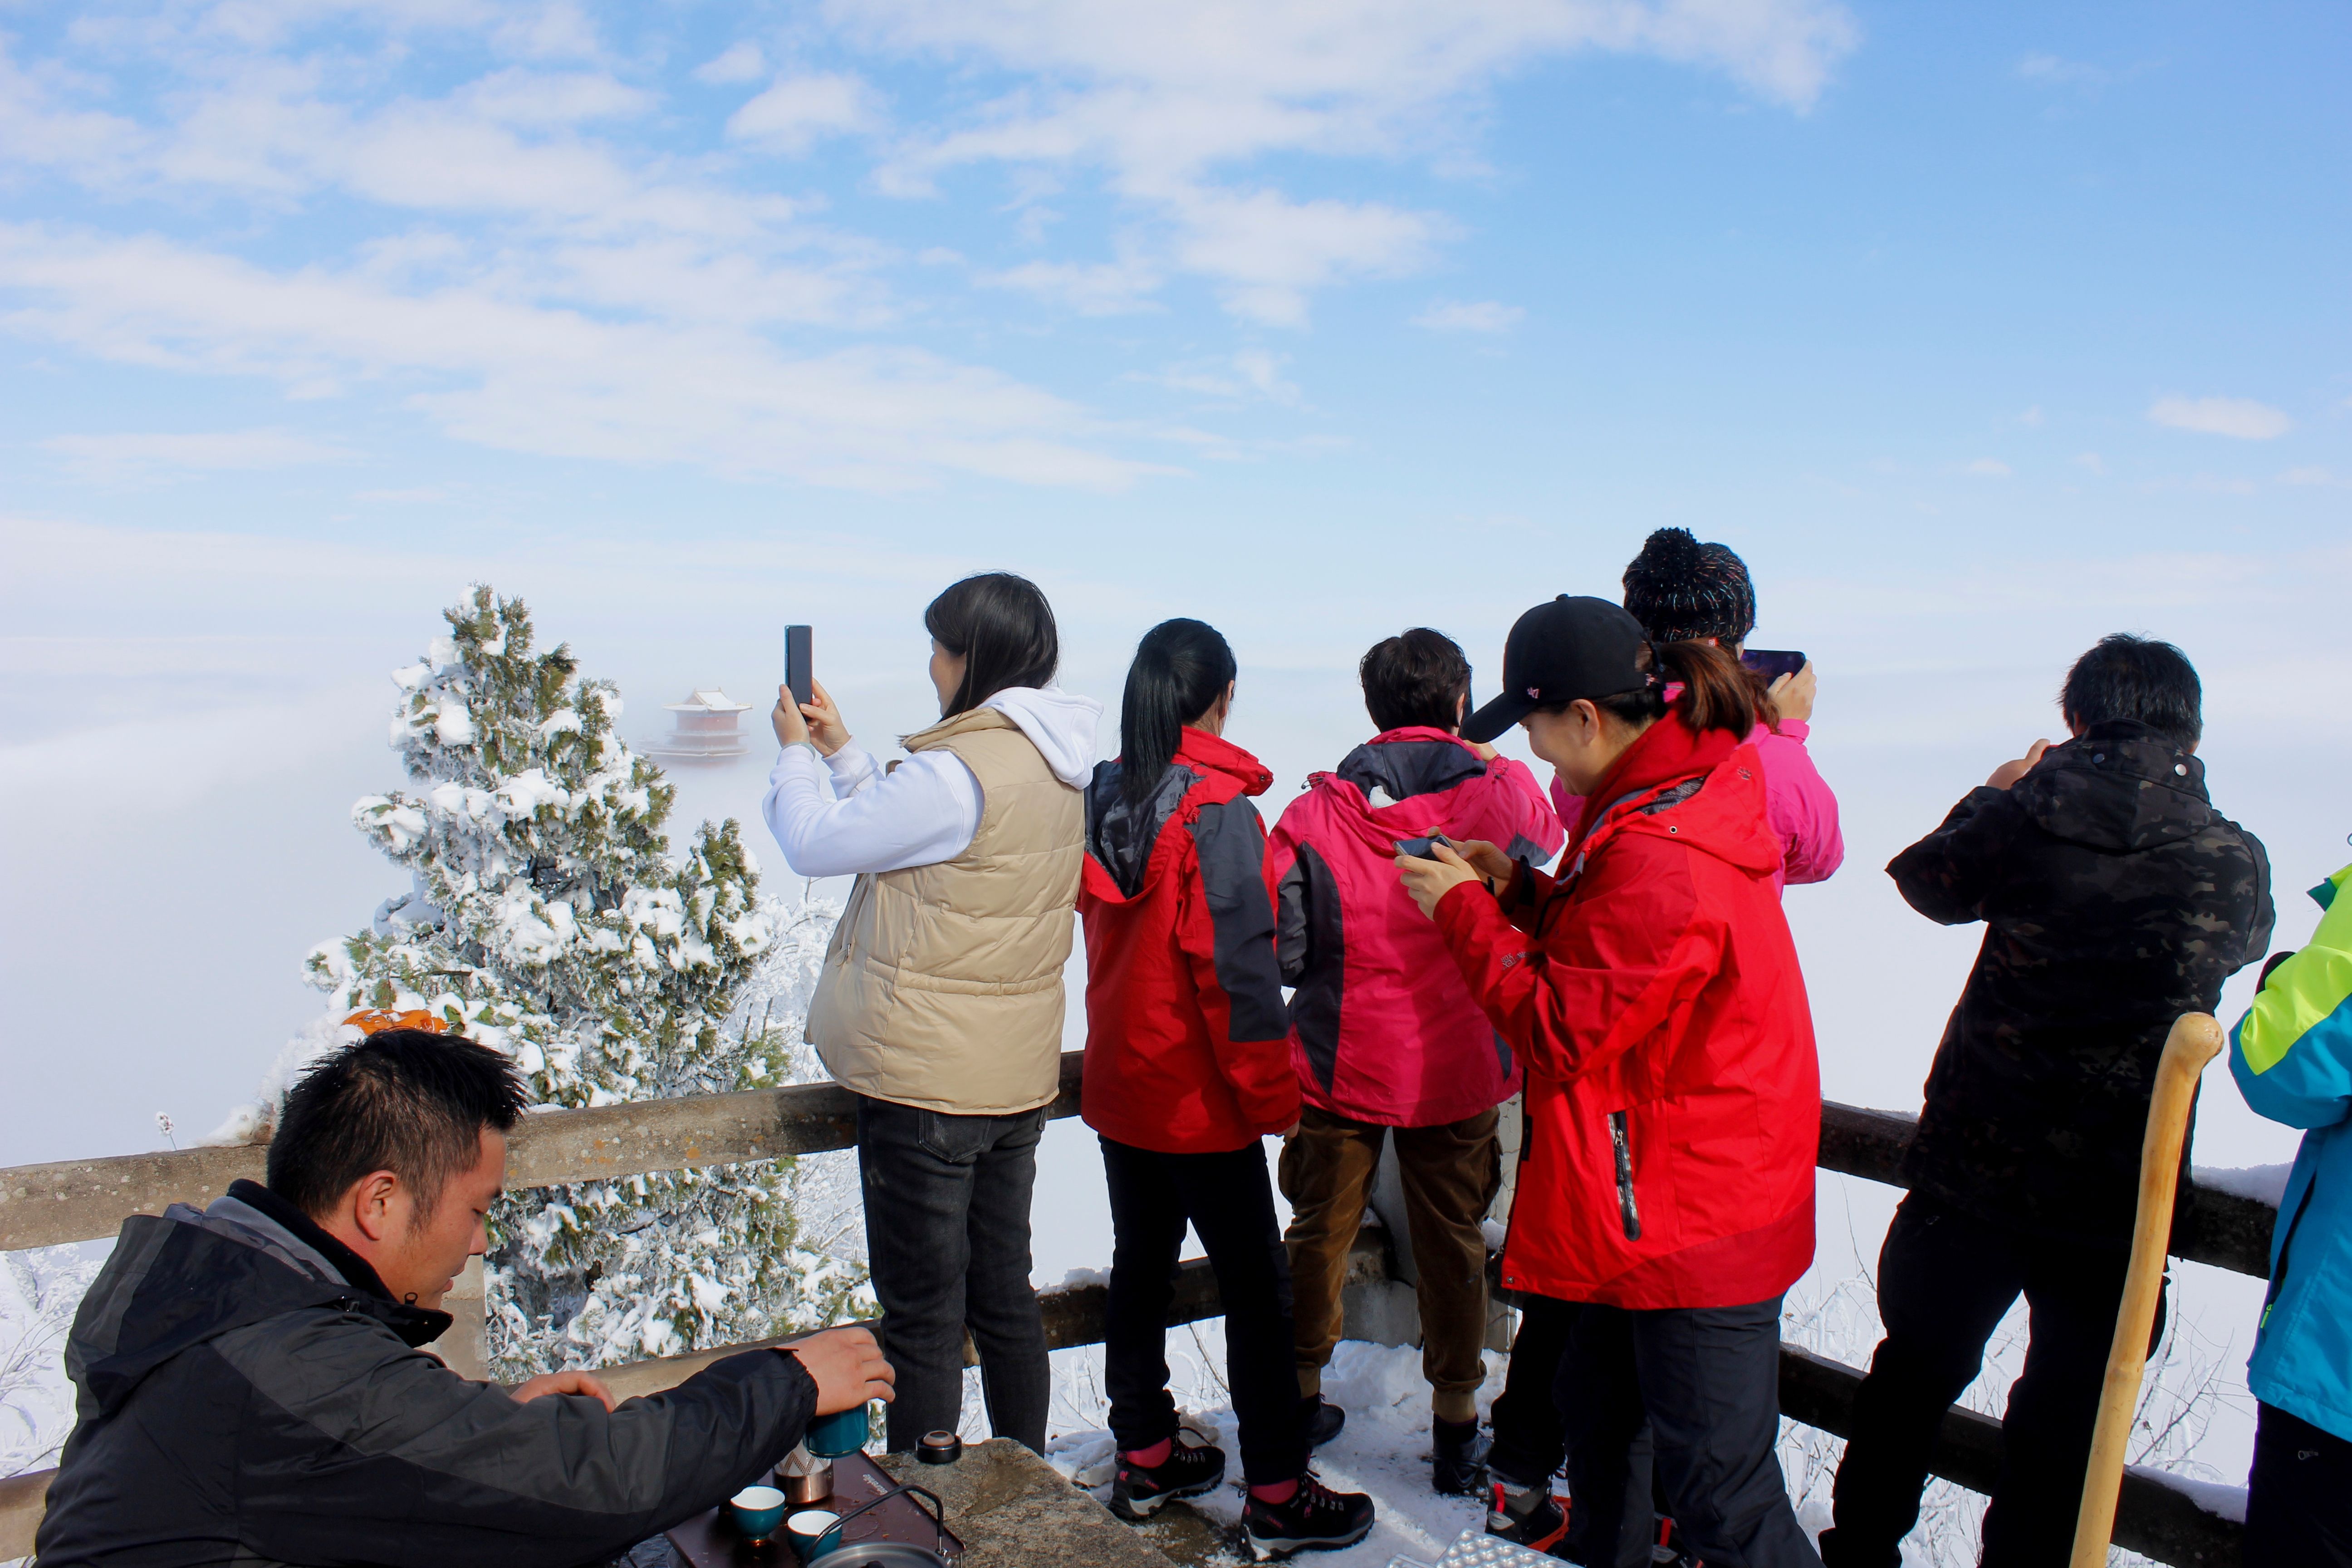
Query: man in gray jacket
{"points": [[253, 1390]]}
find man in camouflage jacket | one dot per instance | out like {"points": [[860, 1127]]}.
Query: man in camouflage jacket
{"points": [[2115, 898]]}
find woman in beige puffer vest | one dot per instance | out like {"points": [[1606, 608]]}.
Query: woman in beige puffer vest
{"points": [[941, 1002]]}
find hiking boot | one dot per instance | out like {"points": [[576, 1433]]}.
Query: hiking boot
{"points": [[1316, 1519], [1319, 1419], [1458, 1459], [1139, 1492], [1528, 1516]]}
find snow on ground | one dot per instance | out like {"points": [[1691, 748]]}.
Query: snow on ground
{"points": [[2263, 1183]]}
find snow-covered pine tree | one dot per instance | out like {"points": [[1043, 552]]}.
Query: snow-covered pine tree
{"points": [[547, 917]]}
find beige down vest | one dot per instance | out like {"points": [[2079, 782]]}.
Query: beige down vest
{"points": [[943, 988]]}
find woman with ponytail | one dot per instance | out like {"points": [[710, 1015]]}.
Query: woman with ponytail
{"points": [[1674, 1097], [1187, 1067]]}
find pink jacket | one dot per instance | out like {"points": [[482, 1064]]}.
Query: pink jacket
{"points": [[1797, 805], [1382, 1027]]}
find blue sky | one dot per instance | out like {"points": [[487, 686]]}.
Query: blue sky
{"points": [[1979, 331]]}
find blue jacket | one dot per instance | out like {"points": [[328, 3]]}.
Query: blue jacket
{"points": [[2292, 1056]]}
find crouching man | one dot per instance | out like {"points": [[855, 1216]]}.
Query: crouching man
{"points": [[252, 1387]]}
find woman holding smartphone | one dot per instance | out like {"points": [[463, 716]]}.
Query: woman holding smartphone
{"points": [[940, 1003], [1187, 1067], [1674, 1097]]}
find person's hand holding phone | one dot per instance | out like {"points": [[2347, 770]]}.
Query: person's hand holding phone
{"points": [[2010, 772], [1792, 695], [847, 1367], [1429, 878], [825, 728], [790, 726]]}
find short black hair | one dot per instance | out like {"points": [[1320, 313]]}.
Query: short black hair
{"points": [[1420, 678], [406, 1101], [1003, 628], [2126, 677]]}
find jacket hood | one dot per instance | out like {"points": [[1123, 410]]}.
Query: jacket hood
{"points": [[1061, 724], [1388, 787], [2119, 786], [191, 1275], [1120, 837], [1702, 788]]}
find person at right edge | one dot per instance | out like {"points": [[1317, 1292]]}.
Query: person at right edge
{"points": [[2115, 898], [2292, 1056], [1674, 1096], [1188, 1070]]}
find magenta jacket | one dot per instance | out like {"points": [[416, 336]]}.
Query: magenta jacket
{"points": [[1382, 1027], [1797, 805]]}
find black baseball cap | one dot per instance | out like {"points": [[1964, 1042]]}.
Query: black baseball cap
{"points": [[1571, 648]]}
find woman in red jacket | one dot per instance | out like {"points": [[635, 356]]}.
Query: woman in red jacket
{"points": [[1188, 1067], [1673, 1098]]}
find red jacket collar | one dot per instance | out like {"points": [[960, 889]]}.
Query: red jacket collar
{"points": [[1204, 753], [1666, 751]]}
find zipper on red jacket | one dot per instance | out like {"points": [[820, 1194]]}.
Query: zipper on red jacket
{"points": [[1623, 1145]]}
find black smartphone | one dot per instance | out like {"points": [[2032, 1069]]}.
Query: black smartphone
{"points": [[1419, 847], [798, 674], [1772, 663]]}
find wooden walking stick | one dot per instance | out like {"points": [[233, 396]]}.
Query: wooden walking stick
{"points": [[2195, 1040]]}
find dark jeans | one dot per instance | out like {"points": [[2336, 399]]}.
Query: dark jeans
{"points": [[1530, 1443], [1708, 1379], [1945, 1280], [2299, 1498], [1227, 1198], [947, 1241]]}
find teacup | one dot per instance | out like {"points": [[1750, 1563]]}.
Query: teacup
{"points": [[806, 1526], [843, 1432], [756, 1512]]}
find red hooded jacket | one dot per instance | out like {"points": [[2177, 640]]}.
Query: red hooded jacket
{"points": [[1188, 1047], [1674, 1096], [1381, 1029]]}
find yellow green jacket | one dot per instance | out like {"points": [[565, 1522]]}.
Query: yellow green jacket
{"points": [[2292, 1056]]}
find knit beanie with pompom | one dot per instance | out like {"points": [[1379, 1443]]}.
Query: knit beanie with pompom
{"points": [[1682, 591]]}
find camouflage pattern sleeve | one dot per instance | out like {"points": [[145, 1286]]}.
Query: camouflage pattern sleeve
{"points": [[1948, 875]]}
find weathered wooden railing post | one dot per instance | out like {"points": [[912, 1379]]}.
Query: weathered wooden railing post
{"points": [[465, 1348]]}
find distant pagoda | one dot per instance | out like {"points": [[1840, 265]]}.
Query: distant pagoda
{"points": [[708, 729]]}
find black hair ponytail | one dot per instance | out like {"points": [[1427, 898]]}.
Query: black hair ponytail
{"points": [[1718, 692], [1181, 668]]}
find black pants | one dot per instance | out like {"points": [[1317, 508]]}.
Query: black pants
{"points": [[1227, 1198], [947, 1242], [1708, 1379], [2299, 1498], [1530, 1443], [1945, 1280]]}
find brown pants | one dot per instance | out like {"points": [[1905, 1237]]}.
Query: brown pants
{"points": [[1451, 1174]]}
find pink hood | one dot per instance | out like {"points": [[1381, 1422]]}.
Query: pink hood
{"points": [[1802, 813], [1382, 1027]]}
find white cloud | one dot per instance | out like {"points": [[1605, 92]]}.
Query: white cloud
{"points": [[1990, 468], [2055, 72], [1091, 289], [530, 378], [2240, 417], [1481, 316], [1160, 95], [742, 62], [2092, 462], [1252, 373], [795, 112], [128, 454], [2310, 476]]}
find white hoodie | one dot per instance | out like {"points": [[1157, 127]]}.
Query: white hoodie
{"points": [[923, 811]]}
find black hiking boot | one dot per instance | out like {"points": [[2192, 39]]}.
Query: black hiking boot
{"points": [[1527, 1516], [1458, 1459], [1316, 1519], [1138, 1492], [1319, 1419]]}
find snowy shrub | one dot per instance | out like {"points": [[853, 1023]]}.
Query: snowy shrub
{"points": [[547, 916], [39, 1290]]}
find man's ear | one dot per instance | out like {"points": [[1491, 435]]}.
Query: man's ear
{"points": [[372, 1204]]}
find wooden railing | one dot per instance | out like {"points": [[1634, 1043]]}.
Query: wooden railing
{"points": [[81, 1200]]}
